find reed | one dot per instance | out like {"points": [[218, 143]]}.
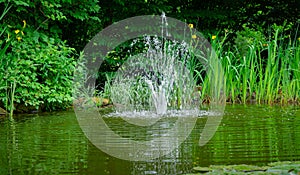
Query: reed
{"points": [[10, 90], [265, 70], [252, 77]]}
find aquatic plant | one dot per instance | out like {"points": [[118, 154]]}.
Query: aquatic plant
{"points": [[265, 70], [10, 91], [257, 68]]}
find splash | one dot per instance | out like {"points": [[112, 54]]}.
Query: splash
{"points": [[152, 85], [158, 79]]}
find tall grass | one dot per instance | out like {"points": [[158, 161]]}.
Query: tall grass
{"points": [[253, 77], [264, 70], [3, 47]]}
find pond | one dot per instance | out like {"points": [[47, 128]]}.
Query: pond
{"points": [[53, 143]]}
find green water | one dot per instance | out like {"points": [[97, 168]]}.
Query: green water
{"points": [[55, 144]]}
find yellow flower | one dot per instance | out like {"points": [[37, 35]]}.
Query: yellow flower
{"points": [[19, 38], [299, 39], [194, 36], [191, 26], [213, 37], [265, 45], [24, 23], [17, 31]]}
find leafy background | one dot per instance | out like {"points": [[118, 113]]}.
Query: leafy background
{"points": [[40, 40]]}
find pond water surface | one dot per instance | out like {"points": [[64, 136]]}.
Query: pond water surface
{"points": [[54, 143]]}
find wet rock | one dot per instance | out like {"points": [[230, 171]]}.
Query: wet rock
{"points": [[105, 101], [100, 101]]}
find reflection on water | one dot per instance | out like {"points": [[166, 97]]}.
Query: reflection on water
{"points": [[54, 143]]}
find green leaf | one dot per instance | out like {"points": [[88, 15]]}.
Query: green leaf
{"points": [[36, 37], [21, 3]]}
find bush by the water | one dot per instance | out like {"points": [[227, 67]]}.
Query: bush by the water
{"points": [[38, 69]]}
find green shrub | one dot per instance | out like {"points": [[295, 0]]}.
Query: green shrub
{"points": [[41, 68]]}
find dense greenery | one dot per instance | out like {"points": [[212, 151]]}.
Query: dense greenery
{"points": [[261, 69], [37, 64], [40, 42]]}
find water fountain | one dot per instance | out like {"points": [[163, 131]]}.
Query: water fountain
{"points": [[149, 86], [160, 74]]}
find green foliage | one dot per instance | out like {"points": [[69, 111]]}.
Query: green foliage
{"points": [[36, 69], [3, 49], [69, 20], [261, 70], [247, 37], [42, 68], [37, 37], [36, 65]]}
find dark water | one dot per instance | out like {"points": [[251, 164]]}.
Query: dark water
{"points": [[55, 144]]}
